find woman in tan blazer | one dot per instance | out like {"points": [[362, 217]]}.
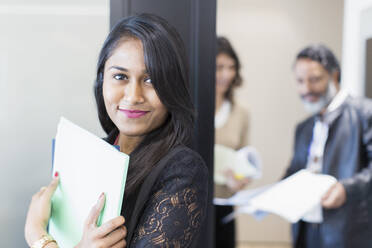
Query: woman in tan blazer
{"points": [[231, 130]]}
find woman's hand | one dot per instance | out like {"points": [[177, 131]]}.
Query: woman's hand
{"points": [[39, 212], [110, 234], [234, 184]]}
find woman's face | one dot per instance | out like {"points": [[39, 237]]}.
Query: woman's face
{"points": [[130, 98], [225, 72]]}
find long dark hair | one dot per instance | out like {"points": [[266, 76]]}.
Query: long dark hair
{"points": [[225, 47], [166, 63]]}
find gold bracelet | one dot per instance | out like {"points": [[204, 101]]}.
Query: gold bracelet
{"points": [[43, 241]]}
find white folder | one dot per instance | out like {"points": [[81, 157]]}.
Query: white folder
{"points": [[87, 166]]}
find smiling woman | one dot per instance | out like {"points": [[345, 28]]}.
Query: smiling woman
{"points": [[130, 98], [144, 105]]}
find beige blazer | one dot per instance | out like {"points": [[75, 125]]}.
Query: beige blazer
{"points": [[233, 134]]}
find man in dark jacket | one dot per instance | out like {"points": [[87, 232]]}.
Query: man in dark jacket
{"points": [[335, 140]]}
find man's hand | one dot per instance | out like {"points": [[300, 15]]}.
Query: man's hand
{"points": [[335, 197]]}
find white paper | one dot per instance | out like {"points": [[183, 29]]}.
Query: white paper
{"points": [[241, 201], [87, 166], [315, 215], [247, 209], [293, 197], [241, 198], [244, 163]]}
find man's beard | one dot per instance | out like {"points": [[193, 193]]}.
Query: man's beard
{"points": [[324, 100]]}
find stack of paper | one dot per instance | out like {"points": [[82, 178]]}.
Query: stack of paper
{"points": [[244, 163], [87, 166], [292, 198]]}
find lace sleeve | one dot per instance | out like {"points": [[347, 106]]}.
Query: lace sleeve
{"points": [[174, 214]]}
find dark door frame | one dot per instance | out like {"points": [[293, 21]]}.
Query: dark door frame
{"points": [[196, 22]]}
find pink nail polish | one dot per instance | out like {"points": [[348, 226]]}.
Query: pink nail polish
{"points": [[100, 197]]}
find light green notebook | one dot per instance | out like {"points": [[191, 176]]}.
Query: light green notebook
{"points": [[87, 166]]}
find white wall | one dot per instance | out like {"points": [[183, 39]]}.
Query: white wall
{"points": [[48, 54], [267, 35], [357, 28]]}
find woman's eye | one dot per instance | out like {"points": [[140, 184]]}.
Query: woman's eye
{"points": [[148, 80], [120, 77]]}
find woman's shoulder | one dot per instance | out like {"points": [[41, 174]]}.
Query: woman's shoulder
{"points": [[183, 161], [182, 151], [239, 118], [177, 202], [240, 110]]}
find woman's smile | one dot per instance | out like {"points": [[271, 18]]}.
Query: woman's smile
{"points": [[133, 113], [130, 98]]}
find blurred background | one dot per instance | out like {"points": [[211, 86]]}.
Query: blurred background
{"points": [[267, 35], [48, 52]]}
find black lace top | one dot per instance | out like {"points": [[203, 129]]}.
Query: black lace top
{"points": [[176, 209]]}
